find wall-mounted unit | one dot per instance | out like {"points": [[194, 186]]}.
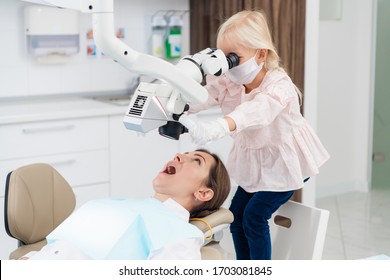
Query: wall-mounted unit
{"points": [[52, 34]]}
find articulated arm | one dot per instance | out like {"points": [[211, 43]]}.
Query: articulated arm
{"points": [[152, 106], [106, 41]]}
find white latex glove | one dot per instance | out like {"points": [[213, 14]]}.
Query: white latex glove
{"points": [[204, 132]]}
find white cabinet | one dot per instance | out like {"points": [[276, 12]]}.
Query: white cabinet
{"points": [[135, 159], [77, 148]]}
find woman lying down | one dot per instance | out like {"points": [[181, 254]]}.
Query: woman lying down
{"points": [[192, 185]]}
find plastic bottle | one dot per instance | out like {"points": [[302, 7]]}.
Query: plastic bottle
{"points": [[159, 30], [173, 40]]}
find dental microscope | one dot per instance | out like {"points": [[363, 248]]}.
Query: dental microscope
{"points": [[153, 105], [162, 106]]}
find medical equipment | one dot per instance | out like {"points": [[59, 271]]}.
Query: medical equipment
{"points": [[103, 31], [183, 80], [160, 106]]}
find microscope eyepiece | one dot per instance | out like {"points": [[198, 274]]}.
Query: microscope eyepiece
{"points": [[233, 60]]}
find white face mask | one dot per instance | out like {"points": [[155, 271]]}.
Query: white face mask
{"points": [[245, 73]]}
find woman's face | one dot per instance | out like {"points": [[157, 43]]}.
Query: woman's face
{"points": [[182, 177]]}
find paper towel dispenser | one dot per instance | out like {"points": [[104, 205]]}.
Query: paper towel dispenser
{"points": [[51, 31]]}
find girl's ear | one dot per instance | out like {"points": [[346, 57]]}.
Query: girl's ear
{"points": [[204, 194]]}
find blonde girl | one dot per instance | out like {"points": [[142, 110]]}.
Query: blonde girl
{"points": [[274, 148]]}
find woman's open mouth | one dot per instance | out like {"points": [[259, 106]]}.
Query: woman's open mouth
{"points": [[170, 170]]}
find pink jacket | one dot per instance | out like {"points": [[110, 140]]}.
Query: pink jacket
{"points": [[274, 147]]}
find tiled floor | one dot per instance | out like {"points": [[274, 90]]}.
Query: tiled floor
{"points": [[359, 225]]}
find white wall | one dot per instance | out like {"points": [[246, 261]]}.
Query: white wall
{"points": [[345, 97], [20, 75], [311, 83]]}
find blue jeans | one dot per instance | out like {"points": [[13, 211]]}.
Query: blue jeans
{"points": [[250, 228]]}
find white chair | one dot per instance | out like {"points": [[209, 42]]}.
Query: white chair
{"points": [[298, 232]]}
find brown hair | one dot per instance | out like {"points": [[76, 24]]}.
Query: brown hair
{"points": [[219, 182]]}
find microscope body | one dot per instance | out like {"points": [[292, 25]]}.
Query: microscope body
{"points": [[160, 105]]}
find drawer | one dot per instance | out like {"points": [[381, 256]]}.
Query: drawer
{"points": [[79, 169], [52, 137]]}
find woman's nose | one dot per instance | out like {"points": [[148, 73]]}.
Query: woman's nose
{"points": [[180, 157], [177, 158]]}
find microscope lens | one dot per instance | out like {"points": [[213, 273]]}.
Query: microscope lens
{"points": [[233, 60]]}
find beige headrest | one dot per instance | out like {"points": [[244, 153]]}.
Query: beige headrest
{"points": [[38, 199], [221, 216]]}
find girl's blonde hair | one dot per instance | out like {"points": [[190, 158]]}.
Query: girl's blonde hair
{"points": [[250, 29]]}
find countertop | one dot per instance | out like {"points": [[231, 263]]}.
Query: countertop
{"points": [[54, 108], [27, 109]]}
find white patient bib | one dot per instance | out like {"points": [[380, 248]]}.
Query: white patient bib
{"points": [[123, 228]]}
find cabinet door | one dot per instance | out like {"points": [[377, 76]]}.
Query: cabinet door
{"points": [[135, 159], [53, 137], [86, 193], [79, 169]]}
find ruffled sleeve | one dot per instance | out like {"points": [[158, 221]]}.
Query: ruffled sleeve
{"points": [[222, 93], [263, 108]]}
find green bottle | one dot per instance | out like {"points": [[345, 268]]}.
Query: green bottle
{"points": [[173, 40]]}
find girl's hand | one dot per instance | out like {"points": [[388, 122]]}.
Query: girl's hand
{"points": [[204, 132]]}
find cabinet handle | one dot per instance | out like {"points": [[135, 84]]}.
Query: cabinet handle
{"points": [[49, 128], [62, 162]]}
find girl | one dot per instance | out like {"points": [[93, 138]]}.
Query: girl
{"points": [[274, 148]]}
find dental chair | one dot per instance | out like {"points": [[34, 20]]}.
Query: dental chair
{"points": [[38, 199]]}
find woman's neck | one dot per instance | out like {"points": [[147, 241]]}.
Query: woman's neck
{"points": [[186, 203]]}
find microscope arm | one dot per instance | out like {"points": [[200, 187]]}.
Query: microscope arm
{"points": [[103, 31], [152, 106]]}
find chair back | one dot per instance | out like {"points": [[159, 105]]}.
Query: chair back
{"points": [[37, 200], [298, 232]]}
